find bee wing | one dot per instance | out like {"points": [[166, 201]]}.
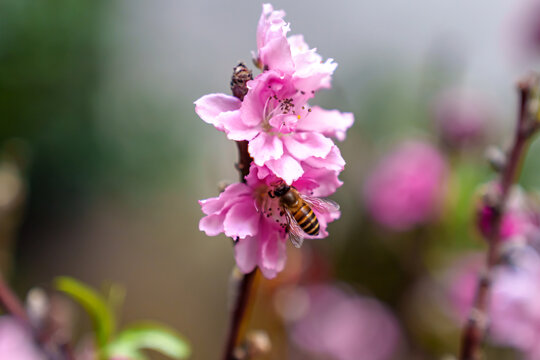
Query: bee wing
{"points": [[296, 234], [321, 205]]}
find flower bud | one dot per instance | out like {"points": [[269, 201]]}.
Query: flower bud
{"points": [[241, 75], [519, 221]]}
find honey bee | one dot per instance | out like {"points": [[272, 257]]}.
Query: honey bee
{"points": [[298, 209]]}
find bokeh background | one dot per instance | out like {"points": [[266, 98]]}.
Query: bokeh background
{"points": [[105, 158]]}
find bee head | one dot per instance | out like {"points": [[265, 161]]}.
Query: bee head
{"points": [[281, 190]]}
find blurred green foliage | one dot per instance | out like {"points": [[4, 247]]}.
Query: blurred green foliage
{"points": [[132, 339], [95, 305], [49, 67]]}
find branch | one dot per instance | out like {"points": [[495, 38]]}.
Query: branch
{"points": [[247, 283], [475, 329]]}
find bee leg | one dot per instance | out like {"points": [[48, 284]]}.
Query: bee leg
{"points": [[271, 194]]}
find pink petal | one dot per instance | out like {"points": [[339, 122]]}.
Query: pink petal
{"points": [[313, 76], [298, 44], [242, 220], [235, 128], [209, 107], [276, 54], [286, 168], [229, 195], [311, 72], [304, 145], [333, 161], [273, 252], [328, 122], [263, 26], [324, 218], [320, 181], [17, 342], [283, 122], [212, 225], [246, 253], [273, 47], [253, 105], [265, 147]]}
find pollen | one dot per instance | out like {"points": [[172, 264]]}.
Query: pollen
{"points": [[298, 117]]}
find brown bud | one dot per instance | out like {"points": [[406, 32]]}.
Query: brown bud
{"points": [[241, 75]]}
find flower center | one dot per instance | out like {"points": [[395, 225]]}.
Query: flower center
{"points": [[281, 115]]}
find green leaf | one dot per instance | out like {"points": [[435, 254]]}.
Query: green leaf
{"points": [[94, 304], [133, 339]]}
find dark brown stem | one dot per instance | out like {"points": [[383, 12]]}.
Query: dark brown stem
{"points": [[240, 313], [244, 160], [247, 283], [475, 329]]}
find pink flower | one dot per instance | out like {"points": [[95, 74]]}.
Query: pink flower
{"points": [[290, 55], [285, 134], [17, 342], [461, 117], [345, 326], [247, 213], [282, 130], [406, 188]]}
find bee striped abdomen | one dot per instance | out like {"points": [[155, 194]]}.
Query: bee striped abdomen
{"points": [[306, 219]]}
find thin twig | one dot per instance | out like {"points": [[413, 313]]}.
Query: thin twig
{"points": [[475, 329], [240, 313], [247, 284]]}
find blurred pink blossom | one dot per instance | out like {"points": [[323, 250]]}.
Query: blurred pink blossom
{"points": [[17, 341], [524, 32], [406, 188], [515, 309], [514, 312], [246, 213], [462, 117], [461, 281], [346, 326]]}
